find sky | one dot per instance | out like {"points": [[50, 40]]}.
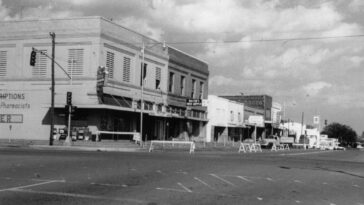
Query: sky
{"points": [[306, 54]]}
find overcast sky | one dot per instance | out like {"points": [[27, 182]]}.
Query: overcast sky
{"points": [[307, 55]]}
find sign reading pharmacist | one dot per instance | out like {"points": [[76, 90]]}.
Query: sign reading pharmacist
{"points": [[13, 101]]}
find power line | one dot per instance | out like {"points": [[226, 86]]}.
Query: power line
{"points": [[268, 40], [241, 41]]}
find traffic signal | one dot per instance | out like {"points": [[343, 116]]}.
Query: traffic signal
{"points": [[33, 57], [69, 98], [67, 109], [73, 109]]}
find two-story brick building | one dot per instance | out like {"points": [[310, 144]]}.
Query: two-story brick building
{"points": [[105, 61]]}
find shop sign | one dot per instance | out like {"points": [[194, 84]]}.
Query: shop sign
{"points": [[13, 101], [256, 119], [193, 102], [316, 120]]}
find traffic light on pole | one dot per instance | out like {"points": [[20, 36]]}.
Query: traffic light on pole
{"points": [[73, 109], [69, 98], [33, 57]]}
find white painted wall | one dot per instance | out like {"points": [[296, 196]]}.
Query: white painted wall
{"points": [[223, 113]]}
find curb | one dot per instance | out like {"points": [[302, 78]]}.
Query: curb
{"points": [[79, 148], [76, 148]]}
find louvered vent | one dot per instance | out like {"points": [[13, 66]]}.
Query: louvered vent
{"points": [[40, 67], [126, 69], [110, 64], [158, 73], [75, 62], [3, 63]]}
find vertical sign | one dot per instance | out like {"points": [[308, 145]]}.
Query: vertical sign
{"points": [[316, 120]]}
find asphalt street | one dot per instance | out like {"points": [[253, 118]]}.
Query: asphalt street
{"points": [[31, 176]]}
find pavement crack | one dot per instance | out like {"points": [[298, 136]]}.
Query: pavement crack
{"points": [[341, 172]]}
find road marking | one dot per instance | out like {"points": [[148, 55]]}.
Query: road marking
{"points": [[298, 202], [78, 195], [31, 185], [226, 181], [357, 186], [159, 171], [260, 198], [298, 181], [185, 188], [325, 183], [269, 179], [181, 172], [204, 183], [245, 179], [170, 189], [111, 185]]}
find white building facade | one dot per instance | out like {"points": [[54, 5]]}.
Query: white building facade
{"points": [[226, 120]]}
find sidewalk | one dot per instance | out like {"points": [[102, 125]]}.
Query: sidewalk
{"points": [[129, 146], [119, 146]]}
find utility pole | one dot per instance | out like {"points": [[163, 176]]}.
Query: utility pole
{"points": [[302, 122], [142, 96], [53, 35]]}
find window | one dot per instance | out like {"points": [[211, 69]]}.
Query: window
{"points": [[171, 82], [239, 117], [157, 77], [143, 72], [126, 69], [3, 63], [193, 90], [75, 62], [231, 116], [110, 63], [201, 90], [183, 85]]}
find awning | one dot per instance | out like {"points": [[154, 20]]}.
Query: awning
{"points": [[101, 106], [166, 115], [252, 125], [236, 126]]}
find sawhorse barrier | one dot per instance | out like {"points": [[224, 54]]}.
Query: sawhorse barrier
{"points": [[304, 146], [191, 144], [136, 135], [250, 147], [280, 147]]}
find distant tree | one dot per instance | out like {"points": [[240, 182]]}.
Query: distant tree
{"points": [[344, 133]]}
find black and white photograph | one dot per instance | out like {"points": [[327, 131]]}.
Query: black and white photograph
{"points": [[158, 102]]}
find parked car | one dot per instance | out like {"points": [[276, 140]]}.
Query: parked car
{"points": [[269, 141]]}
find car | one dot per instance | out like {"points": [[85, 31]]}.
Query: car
{"points": [[269, 141], [340, 148]]}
